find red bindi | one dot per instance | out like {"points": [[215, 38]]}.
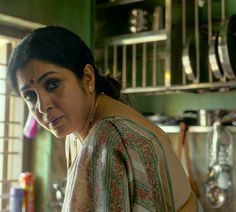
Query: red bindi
{"points": [[31, 81]]}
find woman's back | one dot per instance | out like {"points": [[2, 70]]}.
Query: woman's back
{"points": [[180, 184]]}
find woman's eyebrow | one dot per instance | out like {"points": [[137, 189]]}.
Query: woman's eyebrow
{"points": [[38, 80], [45, 75]]}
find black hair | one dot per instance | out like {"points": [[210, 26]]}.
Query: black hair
{"points": [[62, 47]]}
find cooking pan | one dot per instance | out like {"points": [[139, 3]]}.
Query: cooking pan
{"points": [[189, 58], [226, 45]]}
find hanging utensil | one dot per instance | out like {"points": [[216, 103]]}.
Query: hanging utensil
{"points": [[219, 176], [216, 197]]}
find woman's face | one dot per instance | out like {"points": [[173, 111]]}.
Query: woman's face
{"points": [[57, 99]]}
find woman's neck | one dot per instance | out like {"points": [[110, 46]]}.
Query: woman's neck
{"points": [[91, 120]]}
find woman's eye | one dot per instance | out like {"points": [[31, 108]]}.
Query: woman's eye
{"points": [[30, 96], [52, 84]]}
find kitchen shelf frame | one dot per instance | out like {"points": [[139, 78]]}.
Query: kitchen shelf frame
{"points": [[154, 37], [157, 38]]}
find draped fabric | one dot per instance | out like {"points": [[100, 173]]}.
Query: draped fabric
{"points": [[121, 166]]}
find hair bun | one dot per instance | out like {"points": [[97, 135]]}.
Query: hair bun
{"points": [[109, 86]]}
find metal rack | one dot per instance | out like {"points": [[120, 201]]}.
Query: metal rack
{"points": [[129, 56]]}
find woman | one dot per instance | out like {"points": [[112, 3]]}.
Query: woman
{"points": [[117, 159]]}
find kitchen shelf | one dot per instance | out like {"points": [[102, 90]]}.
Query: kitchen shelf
{"points": [[193, 129], [147, 61], [135, 38], [195, 87], [128, 54]]}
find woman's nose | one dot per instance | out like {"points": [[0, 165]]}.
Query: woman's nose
{"points": [[44, 103]]}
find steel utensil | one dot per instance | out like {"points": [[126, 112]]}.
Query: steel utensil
{"points": [[215, 197], [188, 63], [226, 47], [214, 58], [219, 176]]}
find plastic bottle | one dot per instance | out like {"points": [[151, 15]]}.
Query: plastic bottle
{"points": [[26, 181], [16, 199]]}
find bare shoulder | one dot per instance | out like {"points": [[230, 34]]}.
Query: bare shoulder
{"points": [[112, 107]]}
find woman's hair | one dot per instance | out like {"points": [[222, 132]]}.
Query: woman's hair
{"points": [[61, 47]]}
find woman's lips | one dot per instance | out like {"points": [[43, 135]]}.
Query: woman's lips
{"points": [[54, 123]]}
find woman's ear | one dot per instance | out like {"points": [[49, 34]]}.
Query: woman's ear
{"points": [[89, 78]]}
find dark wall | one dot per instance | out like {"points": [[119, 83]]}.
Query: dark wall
{"points": [[73, 14]]}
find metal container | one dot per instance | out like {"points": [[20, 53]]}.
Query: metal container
{"points": [[138, 20], [206, 117]]}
